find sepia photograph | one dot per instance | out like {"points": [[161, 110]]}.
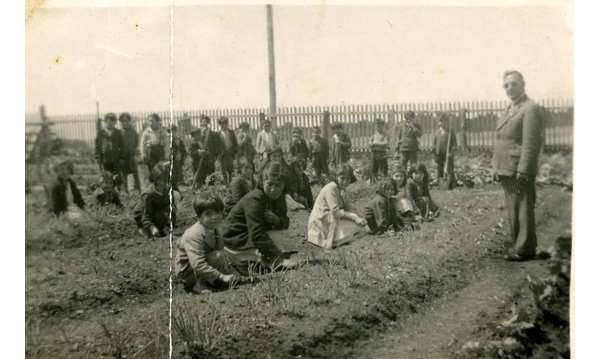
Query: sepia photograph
{"points": [[299, 179]]}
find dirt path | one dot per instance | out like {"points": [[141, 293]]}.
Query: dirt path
{"points": [[442, 329]]}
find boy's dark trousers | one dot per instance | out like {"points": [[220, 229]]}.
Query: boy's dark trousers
{"points": [[207, 168], [441, 162], [155, 155], [320, 165], [130, 167], [379, 163], [178, 171], [227, 167], [408, 156]]}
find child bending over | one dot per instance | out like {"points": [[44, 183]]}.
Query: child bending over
{"points": [[152, 212], [303, 191], [200, 258], [380, 212], [417, 190], [59, 197], [404, 208]]}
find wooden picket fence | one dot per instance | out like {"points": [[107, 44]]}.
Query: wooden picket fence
{"points": [[358, 121]]}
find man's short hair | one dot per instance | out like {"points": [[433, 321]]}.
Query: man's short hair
{"points": [[125, 116], [409, 114], [110, 117], [317, 128], [513, 72], [223, 119], [204, 118]]}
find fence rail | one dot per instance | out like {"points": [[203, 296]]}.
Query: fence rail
{"points": [[358, 121]]}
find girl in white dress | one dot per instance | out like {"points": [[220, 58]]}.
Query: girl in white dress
{"points": [[333, 220]]}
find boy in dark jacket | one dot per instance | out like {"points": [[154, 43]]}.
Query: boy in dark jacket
{"points": [[319, 153], [204, 152], [131, 143], [302, 190], [151, 214], [109, 147], [228, 148], [443, 147], [408, 139], [298, 147], [245, 147], [57, 193], [380, 212], [245, 228], [341, 145], [179, 155], [379, 147]]}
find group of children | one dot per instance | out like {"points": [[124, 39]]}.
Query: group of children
{"points": [[216, 251]]}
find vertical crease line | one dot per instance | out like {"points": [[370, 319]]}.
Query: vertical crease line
{"points": [[171, 195]]}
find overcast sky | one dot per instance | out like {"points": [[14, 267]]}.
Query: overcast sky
{"points": [[325, 55]]}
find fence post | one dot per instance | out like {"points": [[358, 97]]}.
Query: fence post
{"points": [[464, 128], [325, 125], [262, 119], [392, 128]]}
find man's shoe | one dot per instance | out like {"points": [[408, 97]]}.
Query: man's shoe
{"points": [[514, 257]]}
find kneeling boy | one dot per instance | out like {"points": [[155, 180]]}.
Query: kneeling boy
{"points": [[199, 257]]}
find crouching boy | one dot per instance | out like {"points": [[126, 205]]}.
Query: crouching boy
{"points": [[200, 258], [153, 210]]}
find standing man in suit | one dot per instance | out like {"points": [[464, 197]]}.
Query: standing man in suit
{"points": [[519, 138], [228, 149]]}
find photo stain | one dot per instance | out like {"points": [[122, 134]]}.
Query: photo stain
{"points": [[57, 60], [136, 26]]}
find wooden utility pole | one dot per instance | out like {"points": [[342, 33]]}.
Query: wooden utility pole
{"points": [[272, 92]]}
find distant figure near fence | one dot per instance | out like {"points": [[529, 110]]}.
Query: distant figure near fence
{"points": [[154, 143], [519, 138], [408, 139], [109, 148]]}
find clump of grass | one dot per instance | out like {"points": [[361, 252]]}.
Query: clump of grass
{"points": [[157, 342], [35, 340], [118, 338], [352, 264], [204, 328]]}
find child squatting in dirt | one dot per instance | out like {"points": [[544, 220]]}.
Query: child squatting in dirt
{"points": [[380, 212], [417, 191], [152, 211], [58, 198], [106, 193], [200, 259]]}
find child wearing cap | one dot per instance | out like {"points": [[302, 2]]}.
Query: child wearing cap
{"points": [[59, 198], [106, 192], [203, 151], [379, 147], [444, 147], [246, 230], [156, 209], [155, 144], [298, 147], [266, 138], [380, 212], [341, 145], [228, 148], [408, 139], [245, 147], [130, 148], [333, 220], [179, 155], [200, 259], [109, 147], [319, 153]]}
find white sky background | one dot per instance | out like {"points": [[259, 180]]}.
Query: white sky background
{"points": [[325, 55]]}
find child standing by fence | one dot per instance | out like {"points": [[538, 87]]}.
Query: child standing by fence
{"points": [[298, 147], [155, 144], [444, 144], [228, 149], [341, 145], [204, 151], [408, 139], [266, 138], [245, 147], [319, 153], [379, 147], [109, 147], [130, 147], [179, 155]]}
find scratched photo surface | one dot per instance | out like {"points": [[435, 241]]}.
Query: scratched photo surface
{"points": [[125, 106]]}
